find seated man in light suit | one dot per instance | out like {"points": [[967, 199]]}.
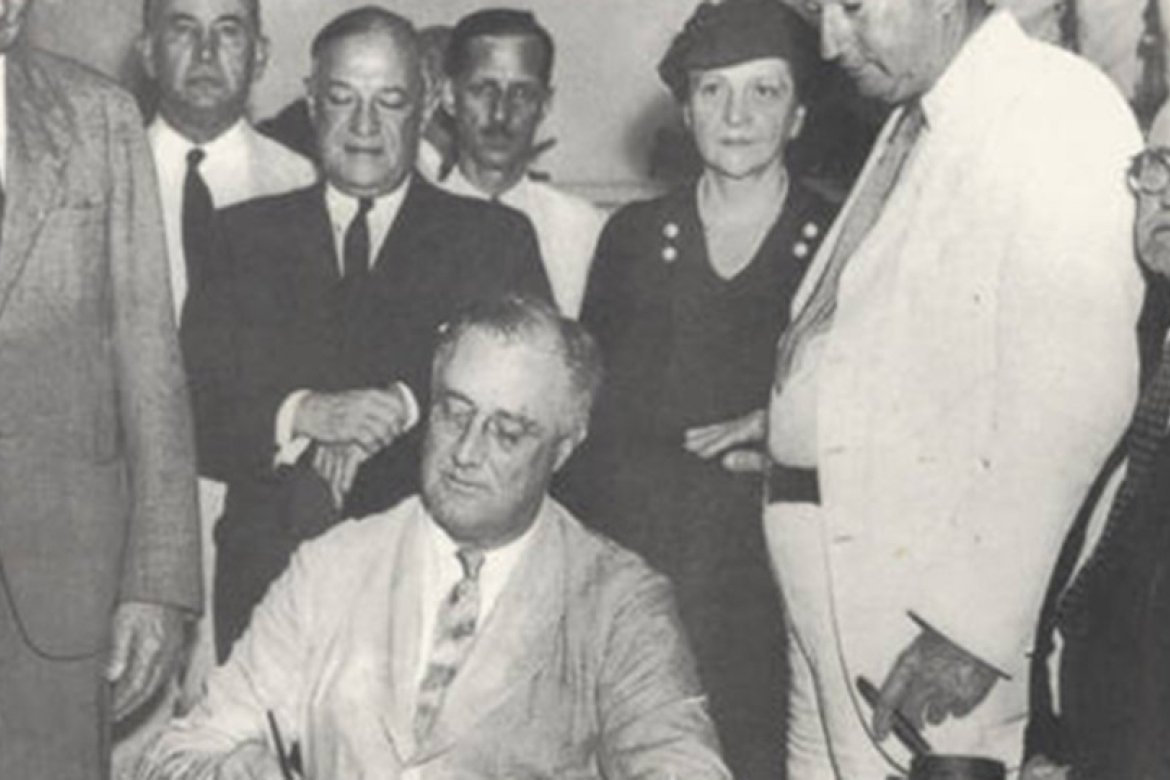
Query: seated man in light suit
{"points": [[477, 630]]}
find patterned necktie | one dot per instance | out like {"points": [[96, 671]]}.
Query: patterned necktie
{"points": [[1120, 535], [454, 632], [356, 247], [197, 216], [818, 311]]}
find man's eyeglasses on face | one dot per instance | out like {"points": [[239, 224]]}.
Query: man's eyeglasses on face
{"points": [[1149, 173]]}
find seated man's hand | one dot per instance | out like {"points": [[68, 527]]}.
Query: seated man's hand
{"points": [[249, 761], [147, 644], [371, 418], [932, 680], [338, 465], [1040, 768]]}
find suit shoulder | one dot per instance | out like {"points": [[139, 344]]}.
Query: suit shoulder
{"points": [[351, 547], [268, 208], [610, 571], [484, 214], [71, 80]]}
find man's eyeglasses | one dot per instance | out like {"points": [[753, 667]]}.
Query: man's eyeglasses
{"points": [[1149, 173]]}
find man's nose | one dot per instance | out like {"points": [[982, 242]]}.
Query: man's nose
{"points": [[471, 446], [499, 109], [832, 30], [206, 45], [365, 120]]}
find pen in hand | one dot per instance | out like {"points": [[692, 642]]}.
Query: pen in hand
{"points": [[286, 771]]}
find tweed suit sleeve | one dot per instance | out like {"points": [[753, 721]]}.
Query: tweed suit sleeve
{"points": [[161, 559]]}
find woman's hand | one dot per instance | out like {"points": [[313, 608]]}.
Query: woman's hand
{"points": [[710, 440]]}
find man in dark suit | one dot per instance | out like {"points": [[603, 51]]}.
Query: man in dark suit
{"points": [[309, 355], [1100, 692], [99, 536]]}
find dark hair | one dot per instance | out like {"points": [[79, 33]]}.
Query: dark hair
{"points": [[497, 22], [366, 19], [253, 12], [524, 318], [733, 31]]}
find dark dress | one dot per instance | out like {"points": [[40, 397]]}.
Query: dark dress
{"points": [[684, 347]]}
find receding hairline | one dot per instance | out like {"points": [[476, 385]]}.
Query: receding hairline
{"points": [[368, 20], [253, 11]]}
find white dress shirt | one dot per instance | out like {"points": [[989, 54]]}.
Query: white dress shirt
{"points": [[441, 571], [241, 164], [566, 230]]}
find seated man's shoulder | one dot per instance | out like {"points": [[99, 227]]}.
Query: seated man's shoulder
{"points": [[607, 571], [346, 548]]}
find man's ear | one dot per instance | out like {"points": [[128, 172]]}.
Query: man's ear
{"points": [[546, 103], [567, 444], [144, 45], [447, 96], [686, 116], [310, 98], [260, 58]]}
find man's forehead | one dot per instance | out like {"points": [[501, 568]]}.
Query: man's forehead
{"points": [[245, 10], [510, 374], [372, 55], [512, 51]]}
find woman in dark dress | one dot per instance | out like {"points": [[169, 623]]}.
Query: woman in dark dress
{"points": [[687, 297]]}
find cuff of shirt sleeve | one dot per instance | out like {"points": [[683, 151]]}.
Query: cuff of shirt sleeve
{"points": [[410, 403], [926, 626], [289, 447]]}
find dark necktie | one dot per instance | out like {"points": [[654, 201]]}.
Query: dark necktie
{"points": [[356, 247], [817, 313], [197, 216], [455, 628]]}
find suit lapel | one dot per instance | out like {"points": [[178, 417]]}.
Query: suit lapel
{"points": [[515, 643], [37, 147]]}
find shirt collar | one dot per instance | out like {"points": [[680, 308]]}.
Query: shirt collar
{"points": [[457, 184], [342, 207], [500, 560], [171, 144]]}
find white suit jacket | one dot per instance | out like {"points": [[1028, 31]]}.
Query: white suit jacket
{"points": [[579, 671], [982, 359]]}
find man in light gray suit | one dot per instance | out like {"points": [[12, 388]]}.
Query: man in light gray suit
{"points": [[99, 547]]}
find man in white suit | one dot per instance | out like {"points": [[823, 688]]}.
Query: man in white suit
{"points": [[476, 630], [203, 57], [962, 359]]}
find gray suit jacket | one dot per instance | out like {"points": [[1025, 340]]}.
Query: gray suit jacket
{"points": [[581, 670], [97, 487]]}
